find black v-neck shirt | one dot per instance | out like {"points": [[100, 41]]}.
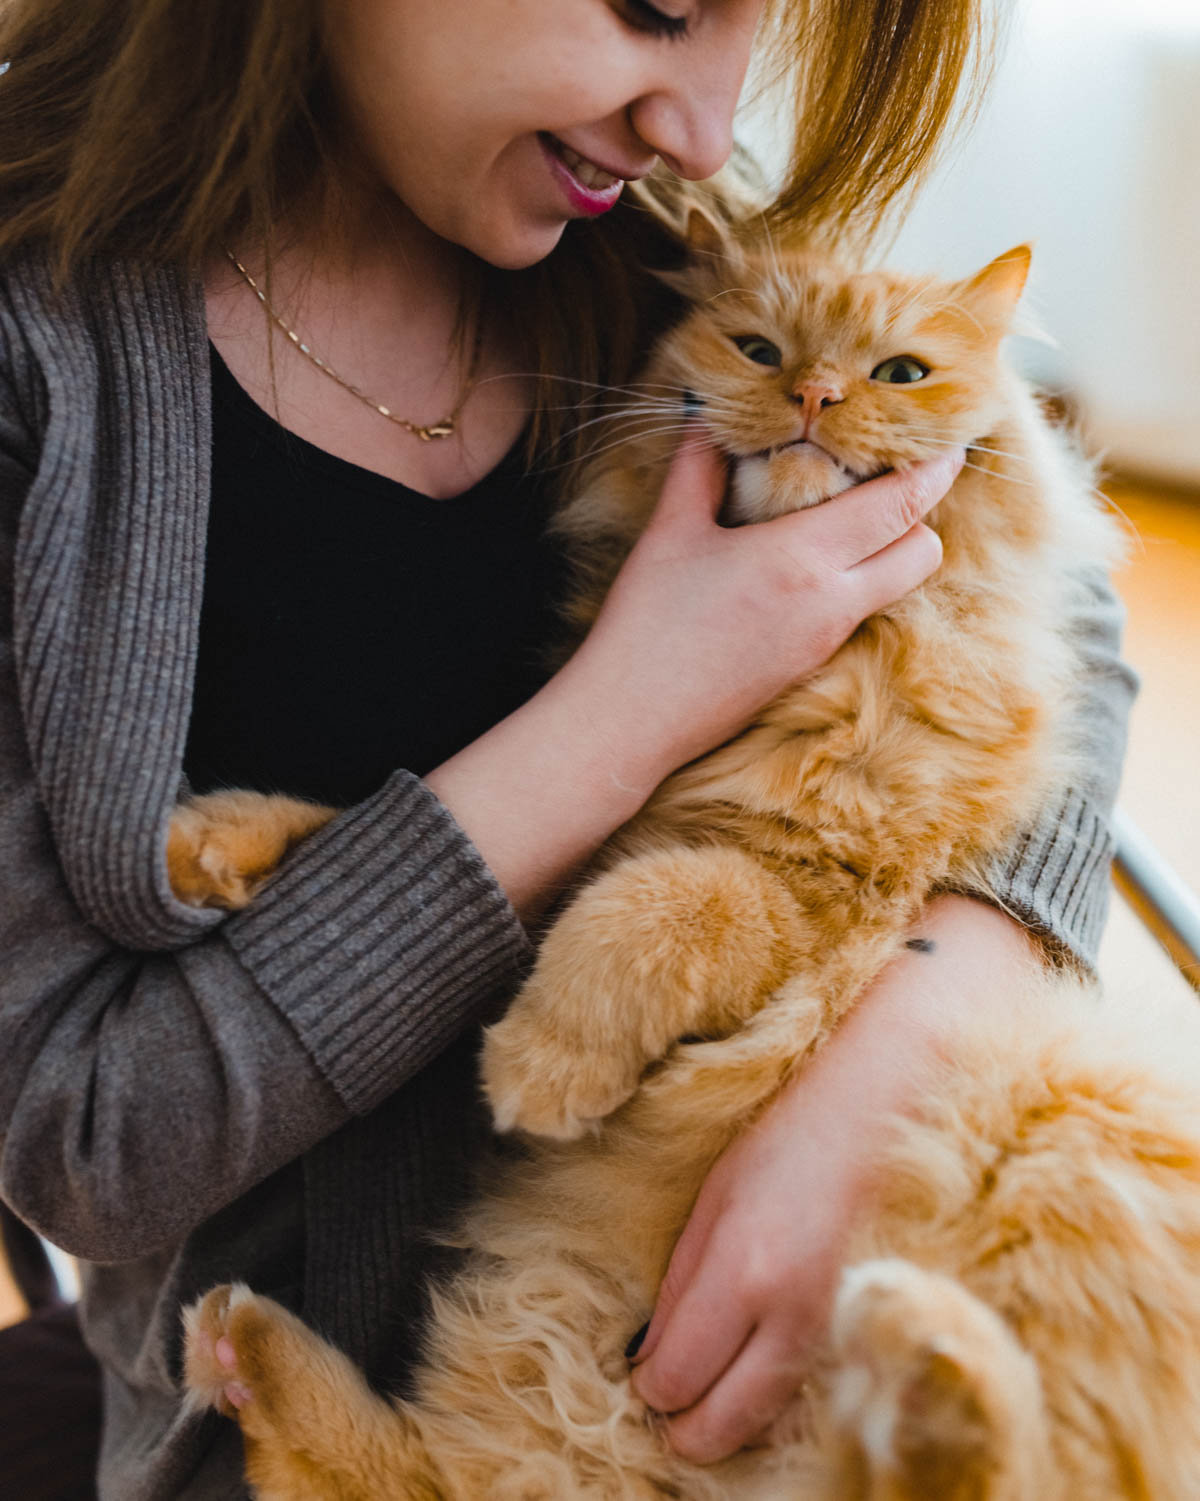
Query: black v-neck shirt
{"points": [[350, 624]]}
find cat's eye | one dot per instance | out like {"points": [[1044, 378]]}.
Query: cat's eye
{"points": [[900, 371], [760, 350]]}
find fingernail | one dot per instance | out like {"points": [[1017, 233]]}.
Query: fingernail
{"points": [[635, 1344], [692, 403]]}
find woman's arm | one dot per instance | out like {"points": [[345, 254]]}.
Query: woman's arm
{"points": [[748, 1290], [141, 1091], [749, 1286]]}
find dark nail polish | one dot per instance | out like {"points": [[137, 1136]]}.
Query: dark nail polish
{"points": [[921, 945], [635, 1344], [692, 403]]}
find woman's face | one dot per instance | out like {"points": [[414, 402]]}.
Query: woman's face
{"points": [[497, 121]]}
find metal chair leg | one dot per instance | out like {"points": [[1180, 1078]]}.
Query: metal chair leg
{"points": [[1159, 896]]}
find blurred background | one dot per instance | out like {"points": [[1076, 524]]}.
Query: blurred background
{"points": [[1090, 147]]}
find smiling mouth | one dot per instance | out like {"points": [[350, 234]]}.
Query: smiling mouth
{"points": [[595, 179]]}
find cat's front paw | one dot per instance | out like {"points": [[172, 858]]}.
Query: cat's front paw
{"points": [[242, 1350], [210, 1364], [540, 1077], [223, 847]]}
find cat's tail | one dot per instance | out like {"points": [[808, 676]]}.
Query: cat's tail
{"points": [[931, 1393]]}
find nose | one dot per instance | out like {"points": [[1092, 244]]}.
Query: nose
{"points": [[815, 396], [687, 117]]}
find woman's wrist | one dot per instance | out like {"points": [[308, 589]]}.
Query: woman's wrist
{"points": [[963, 955], [542, 790]]}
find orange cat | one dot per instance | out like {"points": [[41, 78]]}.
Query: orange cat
{"points": [[1019, 1319]]}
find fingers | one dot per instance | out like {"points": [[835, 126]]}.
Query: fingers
{"points": [[695, 482], [896, 569], [868, 519], [699, 1339], [686, 1258], [763, 1382]]}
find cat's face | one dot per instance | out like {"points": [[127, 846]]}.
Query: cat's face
{"points": [[813, 378]]}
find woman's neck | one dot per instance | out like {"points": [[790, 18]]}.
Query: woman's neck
{"points": [[397, 313]]}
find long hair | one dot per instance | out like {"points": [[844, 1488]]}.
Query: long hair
{"points": [[164, 130]]}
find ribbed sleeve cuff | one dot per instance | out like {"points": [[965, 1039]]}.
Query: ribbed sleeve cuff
{"points": [[1056, 879], [380, 939]]}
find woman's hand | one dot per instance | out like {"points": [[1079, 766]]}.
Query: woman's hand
{"points": [[704, 625], [749, 1288]]}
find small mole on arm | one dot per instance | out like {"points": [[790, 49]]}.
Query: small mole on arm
{"points": [[921, 945]]}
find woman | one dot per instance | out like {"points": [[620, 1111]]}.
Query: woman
{"points": [[259, 566]]}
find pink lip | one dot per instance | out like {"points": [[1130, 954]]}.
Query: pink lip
{"points": [[591, 202]]}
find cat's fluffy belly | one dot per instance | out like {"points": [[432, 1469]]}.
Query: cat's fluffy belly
{"points": [[789, 479]]}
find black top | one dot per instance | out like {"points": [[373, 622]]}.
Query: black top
{"points": [[352, 625]]}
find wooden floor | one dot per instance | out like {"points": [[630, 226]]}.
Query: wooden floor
{"points": [[1161, 791]]}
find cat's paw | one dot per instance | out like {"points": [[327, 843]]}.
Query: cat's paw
{"points": [[223, 847], [540, 1080], [243, 1351], [932, 1386], [209, 1359]]}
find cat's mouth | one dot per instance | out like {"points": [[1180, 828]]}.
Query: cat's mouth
{"points": [[804, 448]]}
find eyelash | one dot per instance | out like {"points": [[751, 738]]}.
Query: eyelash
{"points": [[649, 18]]}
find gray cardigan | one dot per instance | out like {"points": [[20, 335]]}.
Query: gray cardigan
{"points": [[164, 1066]]}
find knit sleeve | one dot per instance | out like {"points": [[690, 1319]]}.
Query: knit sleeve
{"points": [[1055, 877], [160, 1061], [143, 1091]]}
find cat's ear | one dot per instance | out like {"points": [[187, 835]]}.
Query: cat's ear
{"points": [[712, 250], [991, 295], [707, 235]]}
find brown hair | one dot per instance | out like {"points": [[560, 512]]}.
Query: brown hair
{"points": [[166, 129]]}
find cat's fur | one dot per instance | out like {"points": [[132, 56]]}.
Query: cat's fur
{"points": [[1020, 1315]]}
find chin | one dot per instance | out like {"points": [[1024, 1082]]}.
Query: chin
{"points": [[513, 247], [786, 481]]}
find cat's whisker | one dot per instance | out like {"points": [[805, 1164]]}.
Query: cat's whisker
{"points": [[624, 426], [623, 421], [772, 249], [914, 296], [620, 442], [1004, 479], [590, 385], [916, 432], [611, 409], [1128, 525]]}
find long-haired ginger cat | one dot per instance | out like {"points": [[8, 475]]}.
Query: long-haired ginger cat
{"points": [[1019, 1317]]}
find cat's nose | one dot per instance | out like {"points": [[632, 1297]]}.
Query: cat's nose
{"points": [[814, 396]]}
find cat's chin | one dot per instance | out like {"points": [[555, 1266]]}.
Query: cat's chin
{"points": [[789, 479]]}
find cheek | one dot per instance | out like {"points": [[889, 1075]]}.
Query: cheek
{"points": [[936, 408]]}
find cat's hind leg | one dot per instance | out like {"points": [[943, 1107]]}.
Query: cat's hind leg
{"points": [[222, 847], [313, 1428], [932, 1395], [665, 944]]}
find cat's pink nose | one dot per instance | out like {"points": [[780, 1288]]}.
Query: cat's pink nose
{"points": [[814, 396]]}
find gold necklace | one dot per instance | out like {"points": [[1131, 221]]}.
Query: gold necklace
{"points": [[443, 429]]}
